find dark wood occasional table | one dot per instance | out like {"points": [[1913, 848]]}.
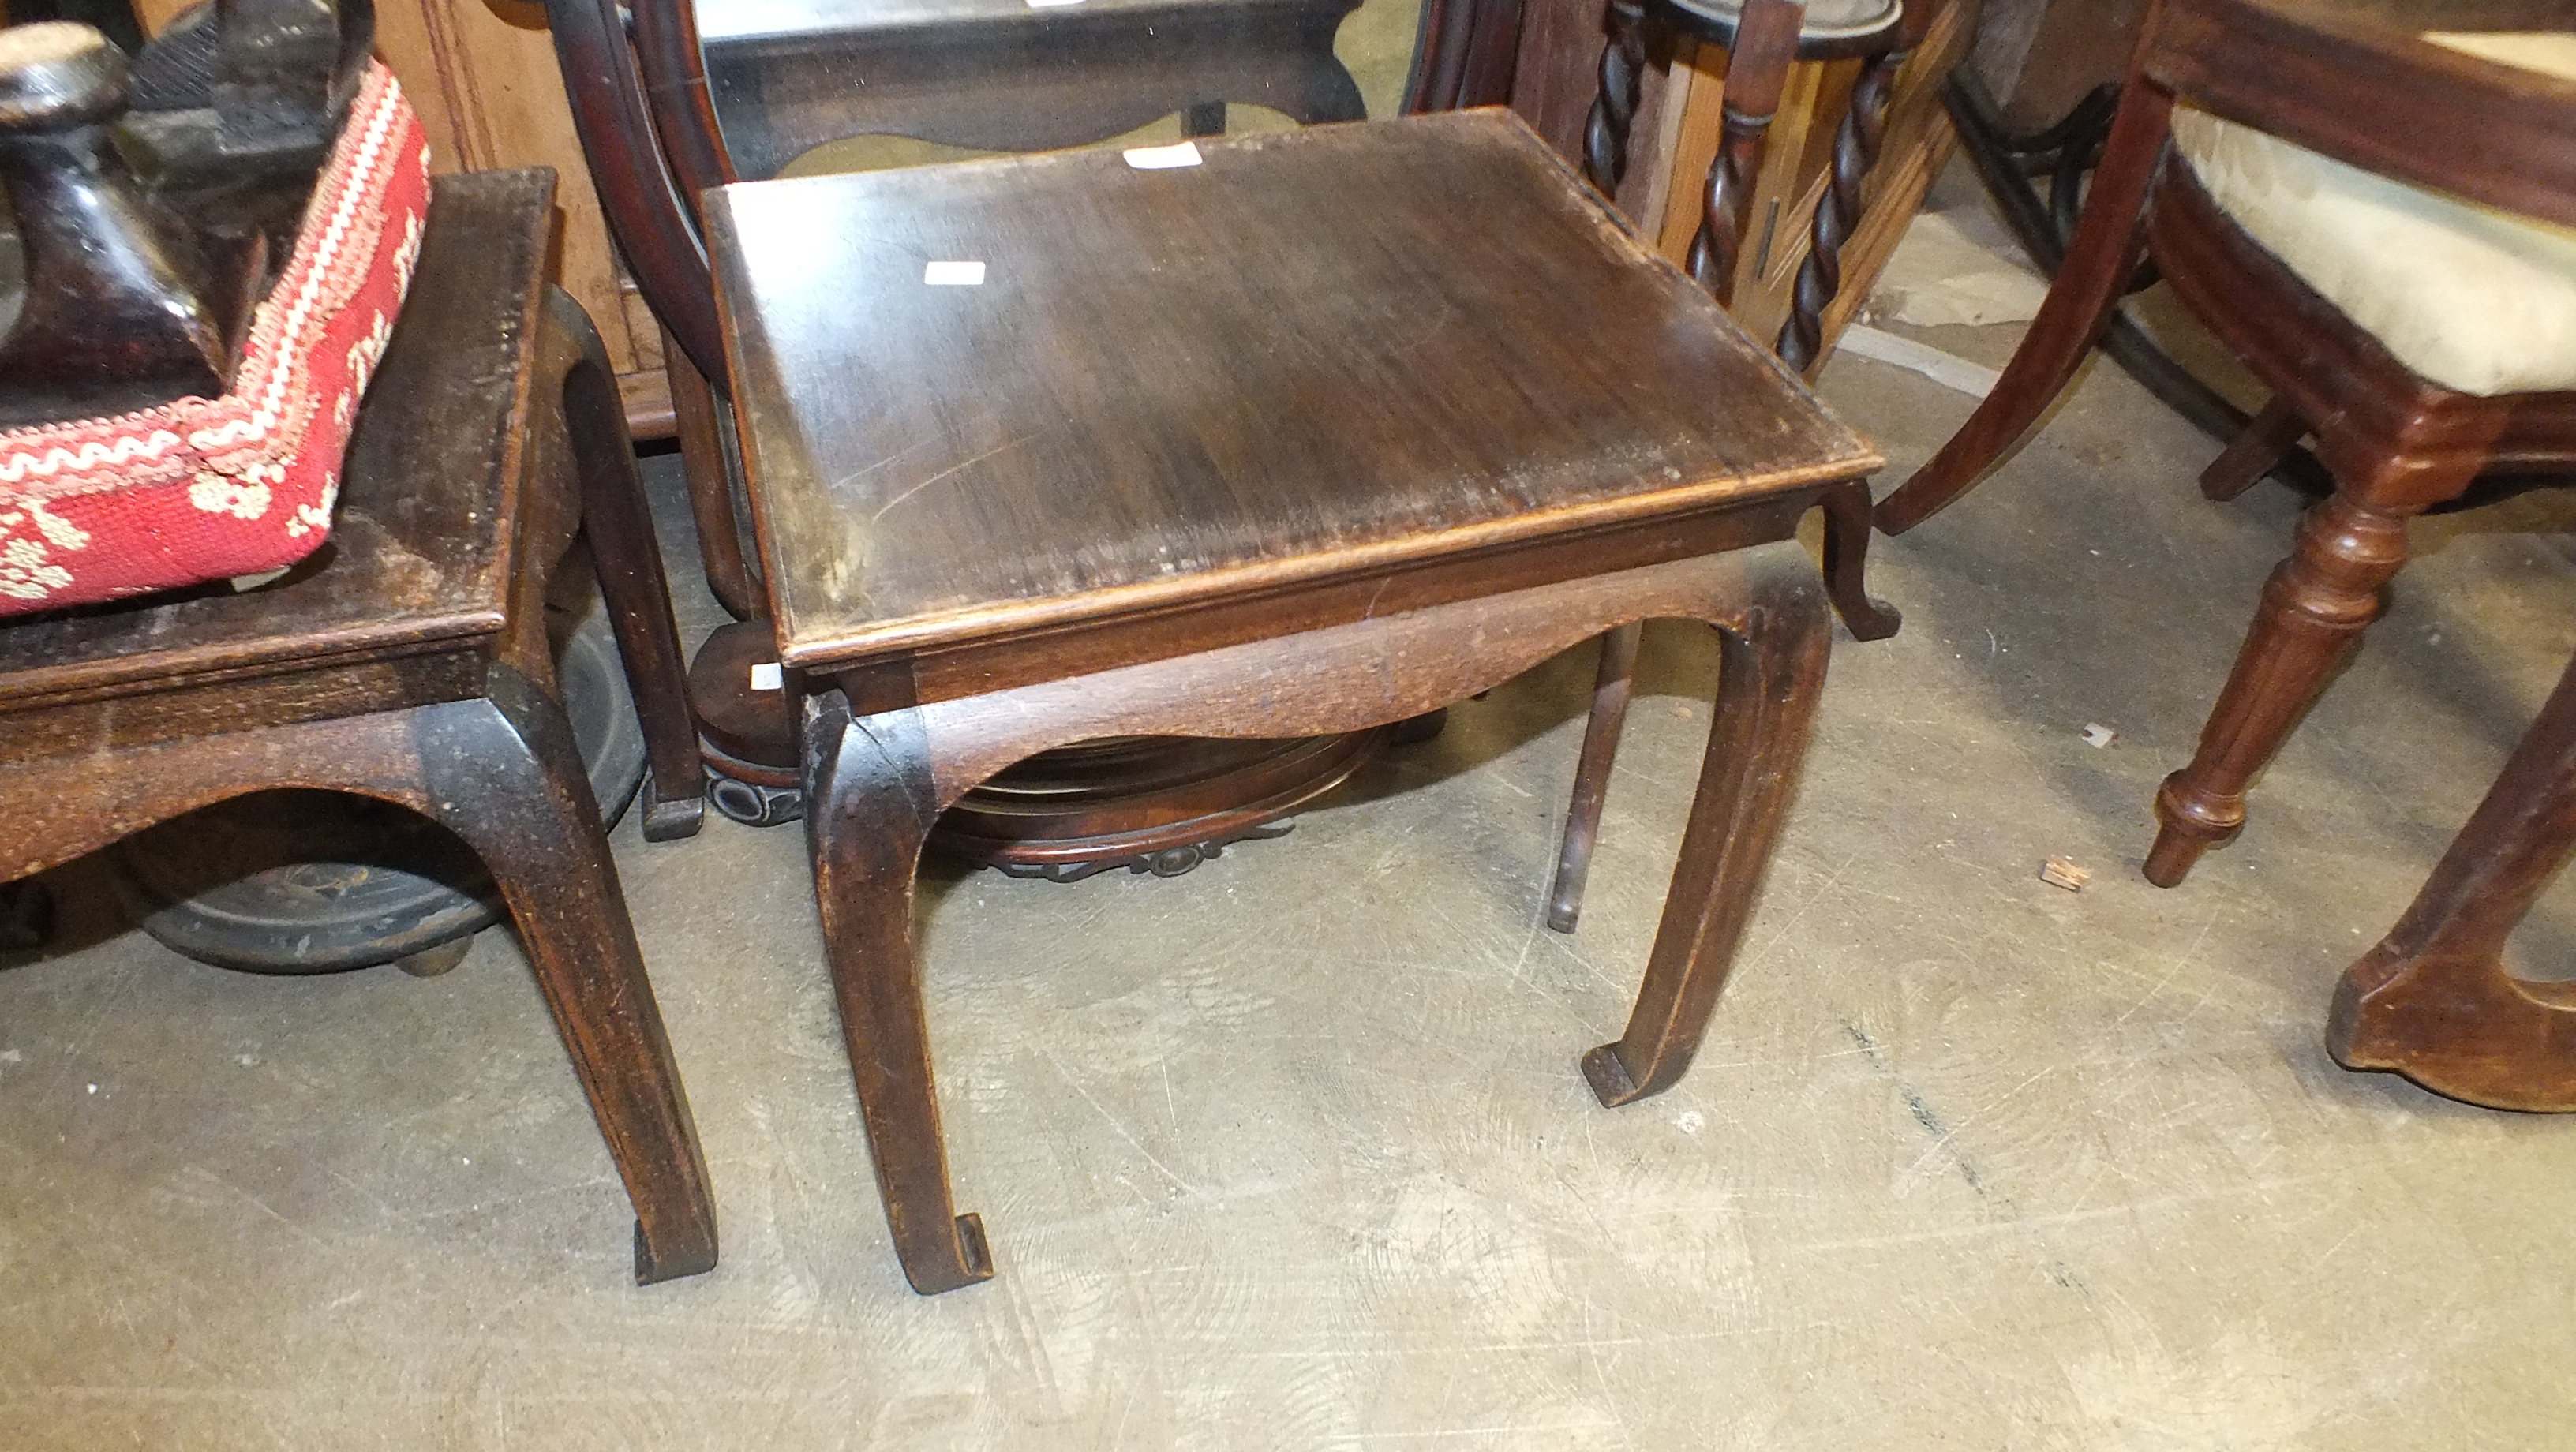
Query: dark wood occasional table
{"points": [[407, 661], [1335, 428]]}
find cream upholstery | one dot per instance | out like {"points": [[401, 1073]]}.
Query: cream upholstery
{"points": [[2471, 298]]}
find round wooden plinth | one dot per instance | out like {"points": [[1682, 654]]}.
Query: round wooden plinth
{"points": [[1156, 804]]}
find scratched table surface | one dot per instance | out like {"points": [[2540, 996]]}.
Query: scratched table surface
{"points": [[1292, 1153], [1313, 353]]}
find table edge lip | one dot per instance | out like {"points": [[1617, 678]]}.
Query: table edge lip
{"points": [[151, 673], [924, 634]]}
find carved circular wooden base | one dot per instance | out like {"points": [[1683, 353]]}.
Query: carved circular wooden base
{"points": [[1159, 804]]}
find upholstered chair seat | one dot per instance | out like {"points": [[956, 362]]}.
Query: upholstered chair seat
{"points": [[2471, 298]]}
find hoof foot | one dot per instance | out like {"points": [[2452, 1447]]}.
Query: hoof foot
{"points": [[975, 1256], [1609, 1077]]}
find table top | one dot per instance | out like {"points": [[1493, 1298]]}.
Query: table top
{"points": [[1316, 355], [416, 554]]}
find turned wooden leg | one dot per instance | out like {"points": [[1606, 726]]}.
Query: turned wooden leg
{"points": [[1622, 74], [1757, 71], [2266, 439], [1772, 669], [620, 525], [2081, 303], [869, 804], [1592, 775], [2314, 608], [503, 774], [1847, 530], [2432, 1001]]}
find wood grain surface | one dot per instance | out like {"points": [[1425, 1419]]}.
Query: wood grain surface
{"points": [[1320, 352]]}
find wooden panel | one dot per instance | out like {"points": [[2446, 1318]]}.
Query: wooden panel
{"points": [[482, 75], [1554, 81]]}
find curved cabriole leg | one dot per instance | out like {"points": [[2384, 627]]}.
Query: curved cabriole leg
{"points": [[869, 805], [2432, 1001], [1820, 277], [1757, 72], [1772, 669], [1614, 104], [503, 774], [2315, 607], [620, 525], [1592, 774], [1847, 530], [2080, 305]]}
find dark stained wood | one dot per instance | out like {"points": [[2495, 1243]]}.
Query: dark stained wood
{"points": [[1129, 486], [1601, 731], [1468, 55], [789, 75], [1556, 75], [703, 421], [2090, 283], [2355, 80], [1401, 379], [1621, 80], [648, 214], [2432, 1000], [1762, 39], [879, 779], [2395, 443], [1020, 78], [408, 662], [1838, 212], [2268, 437]]}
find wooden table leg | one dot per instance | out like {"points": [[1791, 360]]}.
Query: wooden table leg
{"points": [[875, 785], [503, 774], [1773, 669], [2432, 1001], [1847, 530], [869, 805], [619, 522], [1592, 775]]}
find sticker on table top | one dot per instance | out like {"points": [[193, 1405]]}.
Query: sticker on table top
{"points": [[1050, 4], [953, 274], [1163, 158], [766, 676]]}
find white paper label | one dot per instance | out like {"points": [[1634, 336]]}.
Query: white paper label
{"points": [[1161, 158], [766, 676], [1050, 4], [953, 274]]}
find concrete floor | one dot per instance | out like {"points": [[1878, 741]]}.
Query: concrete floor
{"points": [[1292, 1152]]}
